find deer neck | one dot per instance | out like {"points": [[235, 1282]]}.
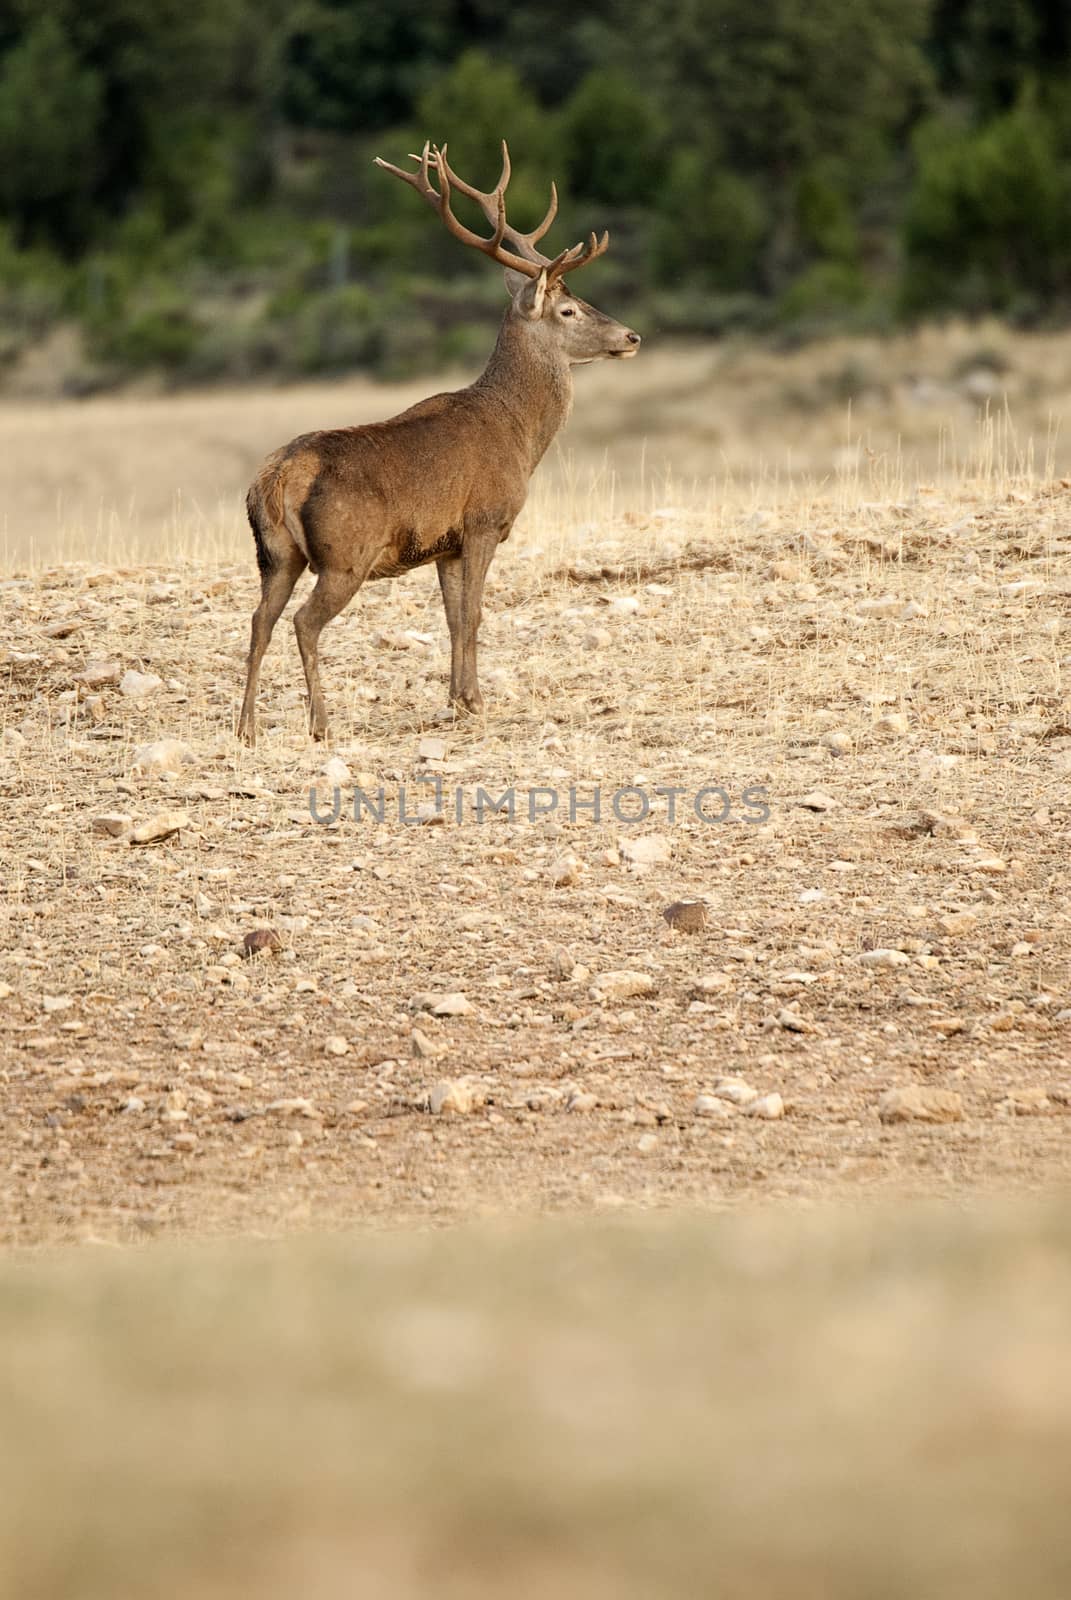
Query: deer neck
{"points": [[530, 383]]}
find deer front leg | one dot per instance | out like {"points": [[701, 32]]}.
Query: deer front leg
{"points": [[449, 568], [476, 555]]}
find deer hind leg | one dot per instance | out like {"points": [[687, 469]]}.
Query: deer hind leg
{"points": [[333, 592], [281, 566]]}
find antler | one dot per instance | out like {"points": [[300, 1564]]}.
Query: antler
{"points": [[529, 260]]}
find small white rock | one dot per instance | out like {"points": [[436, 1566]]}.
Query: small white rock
{"points": [[451, 1005], [449, 1097], [736, 1091], [336, 771], [161, 826], [650, 849], [336, 1045], [710, 1105], [883, 958], [164, 757], [609, 987], [767, 1106], [139, 685]]}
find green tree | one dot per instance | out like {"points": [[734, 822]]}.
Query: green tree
{"points": [[988, 225], [613, 135], [50, 122]]}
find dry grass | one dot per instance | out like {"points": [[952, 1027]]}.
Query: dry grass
{"points": [[809, 1411]]}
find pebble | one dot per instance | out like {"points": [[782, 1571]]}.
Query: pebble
{"points": [[336, 1045], [258, 940], [687, 916], [564, 870], [646, 1143], [113, 823], [139, 685], [916, 1103], [736, 1091], [883, 958], [582, 1100], [598, 639], [837, 742], [95, 674], [1025, 1102], [957, 922], [451, 1005], [421, 1046], [161, 826], [336, 771], [449, 1097], [649, 850], [293, 1106], [432, 749], [816, 800], [165, 756], [609, 987], [767, 1106], [894, 722], [711, 1105], [712, 983]]}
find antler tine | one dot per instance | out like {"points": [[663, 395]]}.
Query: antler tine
{"points": [[440, 200], [492, 204], [579, 256]]}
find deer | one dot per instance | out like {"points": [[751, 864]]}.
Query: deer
{"points": [[443, 481]]}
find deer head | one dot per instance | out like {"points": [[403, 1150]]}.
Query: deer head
{"points": [[569, 327]]}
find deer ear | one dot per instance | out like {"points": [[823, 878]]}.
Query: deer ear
{"points": [[528, 293]]}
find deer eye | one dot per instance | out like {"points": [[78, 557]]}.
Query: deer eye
{"points": [[568, 311]]}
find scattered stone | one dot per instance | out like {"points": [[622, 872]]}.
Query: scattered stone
{"points": [[610, 987], [598, 639], [736, 1091], [97, 674], [792, 1021], [421, 1046], [162, 826], [886, 605], [711, 1105], [336, 1045], [56, 1002], [1031, 1102], [451, 1005], [646, 1143], [989, 863], [837, 743], [581, 1100], [164, 757], [883, 958], [816, 801], [259, 940], [562, 963], [336, 772], [687, 916], [649, 850], [113, 823], [432, 749], [712, 983], [564, 870], [916, 1103], [767, 1106], [449, 1097], [295, 1106], [957, 922], [893, 723], [139, 685]]}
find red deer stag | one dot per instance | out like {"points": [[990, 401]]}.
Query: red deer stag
{"points": [[443, 481]]}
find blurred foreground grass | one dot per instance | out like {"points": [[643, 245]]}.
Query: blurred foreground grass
{"points": [[811, 1406]]}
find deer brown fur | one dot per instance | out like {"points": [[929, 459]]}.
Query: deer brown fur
{"points": [[443, 481]]}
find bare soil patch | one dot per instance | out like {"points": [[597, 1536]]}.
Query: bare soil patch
{"points": [[890, 672]]}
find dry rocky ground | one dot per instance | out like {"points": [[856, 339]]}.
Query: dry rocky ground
{"points": [[477, 1015]]}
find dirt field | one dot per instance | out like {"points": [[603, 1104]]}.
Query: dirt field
{"points": [[888, 911]]}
